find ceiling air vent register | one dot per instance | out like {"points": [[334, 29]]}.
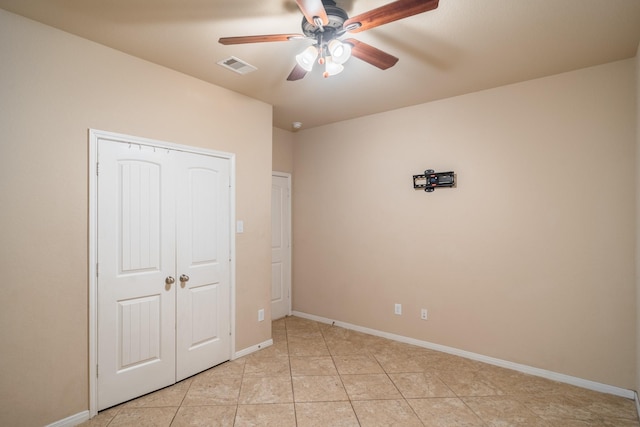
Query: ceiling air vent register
{"points": [[237, 65]]}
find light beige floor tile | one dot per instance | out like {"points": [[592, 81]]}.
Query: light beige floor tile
{"points": [[343, 347], [103, 418], [278, 415], [266, 390], [384, 413], [607, 406], [318, 389], [169, 396], [448, 362], [304, 333], [582, 405], [565, 422], [444, 412], [373, 342], [357, 364], [298, 323], [419, 385], [382, 346], [307, 347], [213, 391], [503, 411], [370, 387], [400, 362], [331, 332], [209, 416], [279, 336], [513, 382], [267, 367], [233, 369], [556, 405], [603, 422], [618, 422], [144, 417], [278, 325], [277, 349], [389, 383], [295, 320], [325, 414], [312, 365], [469, 383]]}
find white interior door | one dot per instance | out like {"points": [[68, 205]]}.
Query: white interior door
{"points": [[203, 326], [280, 245], [162, 214]]}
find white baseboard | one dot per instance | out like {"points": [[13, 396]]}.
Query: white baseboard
{"points": [[71, 421], [579, 382], [253, 348]]}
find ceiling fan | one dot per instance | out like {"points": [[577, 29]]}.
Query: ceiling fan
{"points": [[325, 23]]}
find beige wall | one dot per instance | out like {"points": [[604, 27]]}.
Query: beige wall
{"points": [[530, 259], [282, 150], [53, 88]]}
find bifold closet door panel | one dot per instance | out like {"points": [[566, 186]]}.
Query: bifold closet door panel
{"points": [[203, 263], [136, 259]]}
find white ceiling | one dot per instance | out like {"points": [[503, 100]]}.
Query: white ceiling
{"points": [[463, 46]]}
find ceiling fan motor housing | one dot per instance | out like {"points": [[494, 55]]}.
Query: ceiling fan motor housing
{"points": [[337, 17]]}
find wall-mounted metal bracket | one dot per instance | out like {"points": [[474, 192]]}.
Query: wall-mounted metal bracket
{"points": [[430, 180]]}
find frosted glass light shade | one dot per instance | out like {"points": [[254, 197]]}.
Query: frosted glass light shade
{"points": [[340, 52], [307, 58], [331, 67]]}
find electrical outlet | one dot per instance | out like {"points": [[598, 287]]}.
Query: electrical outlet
{"points": [[261, 315], [398, 309], [423, 314]]}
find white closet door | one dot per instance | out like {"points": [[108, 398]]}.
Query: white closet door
{"points": [[136, 253], [203, 263], [164, 267]]}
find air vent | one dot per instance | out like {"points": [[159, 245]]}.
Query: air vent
{"points": [[237, 65]]}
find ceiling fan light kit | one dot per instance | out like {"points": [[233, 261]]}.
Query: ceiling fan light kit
{"points": [[325, 23]]}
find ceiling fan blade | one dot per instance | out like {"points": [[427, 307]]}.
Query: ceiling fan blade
{"points": [[260, 39], [313, 9], [372, 55], [388, 13], [297, 73]]}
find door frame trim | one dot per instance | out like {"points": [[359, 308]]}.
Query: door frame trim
{"points": [[95, 136], [289, 232]]}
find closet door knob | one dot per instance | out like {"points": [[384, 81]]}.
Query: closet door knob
{"points": [[169, 281], [183, 280]]}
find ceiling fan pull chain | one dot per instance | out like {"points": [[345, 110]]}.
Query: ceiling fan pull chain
{"points": [[321, 58]]}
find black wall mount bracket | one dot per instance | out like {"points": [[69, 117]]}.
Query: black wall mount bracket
{"points": [[431, 180]]}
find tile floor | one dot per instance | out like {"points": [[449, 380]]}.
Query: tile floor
{"points": [[321, 375]]}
